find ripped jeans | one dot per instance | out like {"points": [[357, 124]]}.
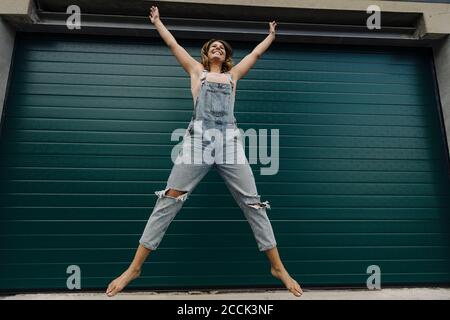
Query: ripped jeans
{"points": [[239, 180]]}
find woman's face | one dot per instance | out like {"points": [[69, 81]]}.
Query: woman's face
{"points": [[216, 52]]}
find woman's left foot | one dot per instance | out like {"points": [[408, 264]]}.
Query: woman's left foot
{"points": [[121, 282], [288, 281]]}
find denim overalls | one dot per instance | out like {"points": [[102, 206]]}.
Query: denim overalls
{"points": [[214, 113]]}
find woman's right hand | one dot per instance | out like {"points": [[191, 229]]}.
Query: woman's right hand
{"points": [[154, 14]]}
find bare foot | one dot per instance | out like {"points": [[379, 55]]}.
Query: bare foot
{"points": [[290, 283], [121, 282]]}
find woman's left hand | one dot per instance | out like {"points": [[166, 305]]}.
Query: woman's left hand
{"points": [[272, 25]]}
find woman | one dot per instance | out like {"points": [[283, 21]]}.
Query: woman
{"points": [[213, 85]]}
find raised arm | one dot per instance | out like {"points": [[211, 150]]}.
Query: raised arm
{"points": [[242, 68], [188, 63]]}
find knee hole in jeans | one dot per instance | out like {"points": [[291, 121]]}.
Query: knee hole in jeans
{"points": [[260, 205], [172, 193]]}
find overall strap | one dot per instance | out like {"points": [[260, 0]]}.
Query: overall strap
{"points": [[230, 78], [203, 76]]}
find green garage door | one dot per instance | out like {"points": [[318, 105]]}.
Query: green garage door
{"points": [[86, 142]]}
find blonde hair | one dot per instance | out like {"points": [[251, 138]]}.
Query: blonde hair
{"points": [[227, 64]]}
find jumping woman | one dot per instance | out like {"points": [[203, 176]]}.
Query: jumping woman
{"points": [[213, 86]]}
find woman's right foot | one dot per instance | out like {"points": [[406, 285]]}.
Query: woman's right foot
{"points": [[288, 281], [122, 281]]}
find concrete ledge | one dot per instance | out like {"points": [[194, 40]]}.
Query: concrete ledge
{"points": [[435, 16], [14, 7], [313, 294], [441, 52], [7, 36]]}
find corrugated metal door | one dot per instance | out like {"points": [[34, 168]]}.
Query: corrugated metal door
{"points": [[86, 142]]}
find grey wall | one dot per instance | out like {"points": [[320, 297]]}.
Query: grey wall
{"points": [[7, 36], [441, 53]]}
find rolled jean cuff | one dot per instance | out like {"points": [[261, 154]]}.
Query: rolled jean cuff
{"points": [[147, 246], [268, 247]]}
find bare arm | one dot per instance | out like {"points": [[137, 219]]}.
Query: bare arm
{"points": [[189, 64], [242, 68]]}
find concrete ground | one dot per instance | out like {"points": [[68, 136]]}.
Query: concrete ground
{"points": [[313, 294]]}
